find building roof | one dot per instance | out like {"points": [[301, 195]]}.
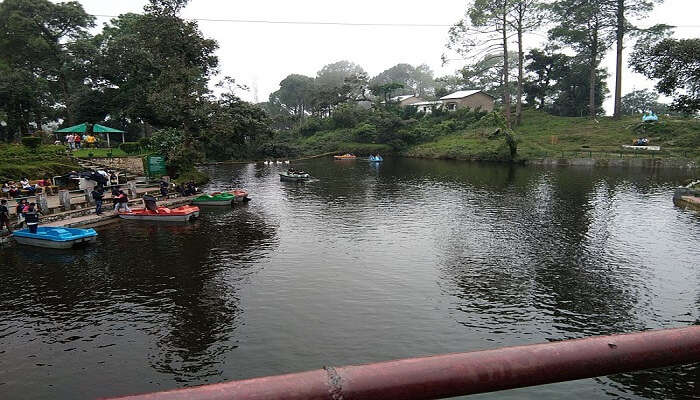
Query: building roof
{"points": [[403, 97], [427, 103], [462, 94]]}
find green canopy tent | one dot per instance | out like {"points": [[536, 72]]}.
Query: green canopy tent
{"points": [[97, 128], [74, 129]]}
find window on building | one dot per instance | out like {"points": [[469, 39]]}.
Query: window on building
{"points": [[452, 106]]}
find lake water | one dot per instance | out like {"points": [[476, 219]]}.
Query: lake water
{"points": [[369, 263]]}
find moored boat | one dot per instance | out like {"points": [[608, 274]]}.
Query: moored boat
{"points": [[240, 195], [294, 176], [55, 237], [179, 214], [346, 156], [214, 199], [154, 213]]}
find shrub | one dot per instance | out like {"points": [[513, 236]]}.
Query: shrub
{"points": [[365, 133], [130, 147], [348, 116], [31, 141], [313, 125]]}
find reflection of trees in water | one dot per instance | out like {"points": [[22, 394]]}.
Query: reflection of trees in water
{"points": [[537, 261], [179, 283], [533, 248]]}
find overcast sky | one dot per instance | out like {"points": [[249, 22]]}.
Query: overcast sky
{"points": [[260, 55]]}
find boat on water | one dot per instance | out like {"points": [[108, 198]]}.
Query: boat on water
{"points": [[294, 176], [375, 159], [55, 237], [346, 156], [241, 196], [215, 199], [222, 198], [153, 212]]}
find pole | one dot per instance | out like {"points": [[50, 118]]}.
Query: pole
{"points": [[463, 373], [108, 145]]}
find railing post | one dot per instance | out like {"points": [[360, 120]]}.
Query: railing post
{"points": [[64, 199], [43, 203], [88, 197], [132, 189]]}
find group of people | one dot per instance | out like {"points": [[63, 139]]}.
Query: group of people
{"points": [[120, 198], [26, 213], [77, 141], [14, 189], [187, 189]]}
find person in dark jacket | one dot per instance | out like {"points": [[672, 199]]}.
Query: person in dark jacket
{"points": [[97, 195], [31, 216], [164, 188], [4, 215], [20, 211]]}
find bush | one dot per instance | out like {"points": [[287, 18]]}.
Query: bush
{"points": [[348, 115], [130, 147], [313, 125], [365, 133], [31, 141]]}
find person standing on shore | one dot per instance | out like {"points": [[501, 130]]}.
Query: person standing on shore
{"points": [[20, 212], [4, 216], [98, 195], [70, 140], [32, 217]]}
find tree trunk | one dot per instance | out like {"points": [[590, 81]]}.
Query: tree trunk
{"points": [[519, 103], [506, 84], [591, 90], [618, 71]]}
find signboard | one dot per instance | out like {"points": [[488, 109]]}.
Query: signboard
{"points": [[155, 166]]}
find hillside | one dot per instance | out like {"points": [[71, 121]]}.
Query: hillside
{"points": [[542, 135], [18, 161]]}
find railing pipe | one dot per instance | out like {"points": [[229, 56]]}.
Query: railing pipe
{"points": [[463, 373]]}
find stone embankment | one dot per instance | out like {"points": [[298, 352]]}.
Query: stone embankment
{"points": [[688, 196], [617, 162]]}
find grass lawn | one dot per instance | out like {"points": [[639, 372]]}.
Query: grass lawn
{"points": [[101, 153], [17, 161], [542, 135]]}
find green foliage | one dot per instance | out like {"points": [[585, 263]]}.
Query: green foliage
{"points": [[198, 177], [640, 101], [31, 141], [18, 161], [130, 147], [38, 67], [365, 133], [491, 120], [676, 64], [348, 115]]}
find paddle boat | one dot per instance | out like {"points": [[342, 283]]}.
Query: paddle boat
{"points": [[293, 175], [376, 158], [215, 199], [55, 237], [650, 117], [240, 195], [152, 212], [346, 156]]}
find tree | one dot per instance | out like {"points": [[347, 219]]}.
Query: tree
{"points": [[526, 16], [36, 39], [414, 80], [484, 31], [546, 68], [149, 79], [640, 101], [572, 91], [623, 9], [676, 64], [294, 94], [587, 26]]}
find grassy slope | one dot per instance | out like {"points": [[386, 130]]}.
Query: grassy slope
{"points": [[339, 141], [543, 135], [101, 153], [17, 161]]}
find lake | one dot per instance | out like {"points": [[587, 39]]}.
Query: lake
{"points": [[368, 263]]}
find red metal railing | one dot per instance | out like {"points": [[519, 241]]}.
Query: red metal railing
{"points": [[463, 373]]}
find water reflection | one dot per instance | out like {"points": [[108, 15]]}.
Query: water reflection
{"points": [[370, 262]]}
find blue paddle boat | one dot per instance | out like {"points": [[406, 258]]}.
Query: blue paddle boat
{"points": [[650, 117], [376, 158], [55, 237]]}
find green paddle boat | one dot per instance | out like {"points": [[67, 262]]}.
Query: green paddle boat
{"points": [[215, 199]]}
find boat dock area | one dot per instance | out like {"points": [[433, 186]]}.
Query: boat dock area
{"points": [[85, 215]]}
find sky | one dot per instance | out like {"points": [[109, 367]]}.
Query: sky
{"points": [[260, 55]]}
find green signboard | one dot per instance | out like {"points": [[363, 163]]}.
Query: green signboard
{"points": [[155, 166]]}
